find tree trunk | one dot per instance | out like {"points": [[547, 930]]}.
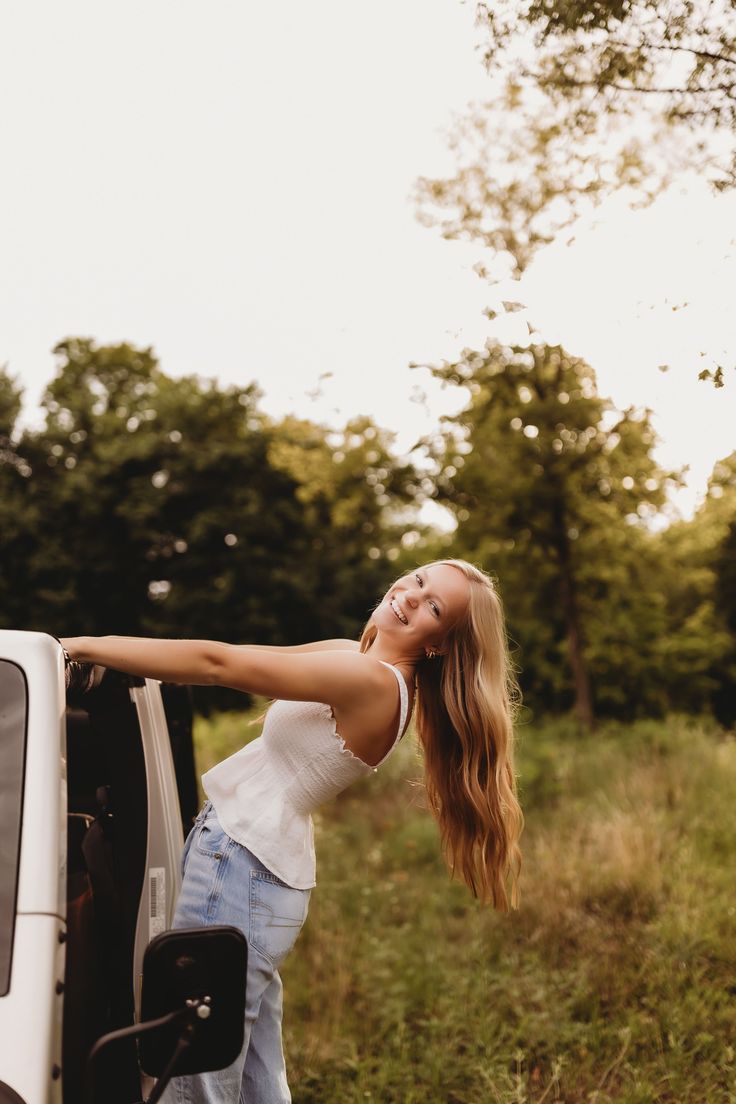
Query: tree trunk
{"points": [[575, 641]]}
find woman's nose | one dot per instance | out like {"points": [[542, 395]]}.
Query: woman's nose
{"points": [[412, 597]]}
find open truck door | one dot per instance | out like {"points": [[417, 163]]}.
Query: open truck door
{"points": [[91, 831]]}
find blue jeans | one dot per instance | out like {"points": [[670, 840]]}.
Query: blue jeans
{"points": [[223, 883]]}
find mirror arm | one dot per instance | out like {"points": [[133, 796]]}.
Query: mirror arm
{"points": [[184, 1041], [187, 1016]]}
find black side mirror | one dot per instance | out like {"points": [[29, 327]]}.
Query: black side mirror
{"points": [[192, 1006], [202, 970]]}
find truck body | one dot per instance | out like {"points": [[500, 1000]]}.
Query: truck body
{"points": [[91, 833]]}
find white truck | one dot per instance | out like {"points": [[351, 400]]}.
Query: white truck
{"points": [[90, 846]]}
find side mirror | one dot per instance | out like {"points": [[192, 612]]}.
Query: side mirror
{"points": [[198, 973], [192, 1006]]}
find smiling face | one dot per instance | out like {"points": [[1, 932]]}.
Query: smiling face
{"points": [[421, 608]]}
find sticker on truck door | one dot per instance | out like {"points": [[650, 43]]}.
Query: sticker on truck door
{"points": [[156, 900]]}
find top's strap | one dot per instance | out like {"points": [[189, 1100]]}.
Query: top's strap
{"points": [[404, 693]]}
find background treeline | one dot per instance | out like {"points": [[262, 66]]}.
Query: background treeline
{"points": [[152, 505]]}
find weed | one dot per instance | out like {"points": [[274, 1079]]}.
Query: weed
{"points": [[613, 982]]}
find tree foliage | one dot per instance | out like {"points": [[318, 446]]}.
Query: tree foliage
{"points": [[175, 507], [696, 573], [610, 56], [552, 489], [584, 100], [525, 171]]}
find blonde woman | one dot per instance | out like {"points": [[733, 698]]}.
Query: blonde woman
{"points": [[340, 708]]}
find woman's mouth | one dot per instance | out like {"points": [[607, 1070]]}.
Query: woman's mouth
{"points": [[399, 612]]}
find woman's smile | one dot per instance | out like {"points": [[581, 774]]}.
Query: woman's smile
{"points": [[394, 603]]}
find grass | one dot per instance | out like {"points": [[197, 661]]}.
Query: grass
{"points": [[614, 981]]}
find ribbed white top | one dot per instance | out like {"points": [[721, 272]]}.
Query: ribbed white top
{"points": [[265, 793]]}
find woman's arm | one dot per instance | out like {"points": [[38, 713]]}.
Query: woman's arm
{"points": [[341, 677], [190, 661], [338, 645]]}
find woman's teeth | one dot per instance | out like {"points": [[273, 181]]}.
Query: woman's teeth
{"points": [[397, 610]]}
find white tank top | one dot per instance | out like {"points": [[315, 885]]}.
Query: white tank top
{"points": [[265, 793]]}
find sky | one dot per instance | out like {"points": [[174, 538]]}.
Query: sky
{"points": [[232, 184]]}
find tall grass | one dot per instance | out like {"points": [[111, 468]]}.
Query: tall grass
{"points": [[614, 981]]}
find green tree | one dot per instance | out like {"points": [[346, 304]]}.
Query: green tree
{"points": [[358, 499], [585, 99], [16, 517], [552, 489], [176, 507], [725, 573], [674, 58], [696, 577], [157, 507], [524, 173], [11, 397]]}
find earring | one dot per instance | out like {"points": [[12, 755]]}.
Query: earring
{"points": [[431, 654]]}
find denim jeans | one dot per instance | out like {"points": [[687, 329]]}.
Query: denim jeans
{"points": [[223, 883]]}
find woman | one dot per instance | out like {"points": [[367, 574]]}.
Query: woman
{"points": [[340, 709]]}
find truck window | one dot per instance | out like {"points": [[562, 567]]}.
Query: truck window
{"points": [[13, 710]]}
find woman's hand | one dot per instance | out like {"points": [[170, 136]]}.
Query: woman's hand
{"points": [[187, 661], [80, 675], [73, 646]]}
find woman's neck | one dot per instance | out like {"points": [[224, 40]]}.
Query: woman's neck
{"points": [[388, 652]]}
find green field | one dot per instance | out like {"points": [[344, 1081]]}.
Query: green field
{"points": [[614, 981]]}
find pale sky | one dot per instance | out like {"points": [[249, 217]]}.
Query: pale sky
{"points": [[230, 183]]}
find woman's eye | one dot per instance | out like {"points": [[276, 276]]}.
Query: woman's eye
{"points": [[419, 580], [434, 609]]}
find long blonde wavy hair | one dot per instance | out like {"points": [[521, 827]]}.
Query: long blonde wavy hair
{"points": [[466, 705]]}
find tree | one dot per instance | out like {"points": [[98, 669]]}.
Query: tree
{"points": [[155, 506], [357, 499], [726, 571], [16, 519], [525, 172], [11, 397], [177, 508], [676, 58], [552, 488], [697, 576], [586, 99], [725, 579]]}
